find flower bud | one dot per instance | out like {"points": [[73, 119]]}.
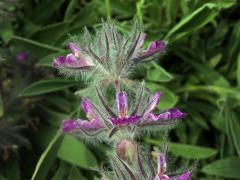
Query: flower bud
{"points": [[126, 150]]}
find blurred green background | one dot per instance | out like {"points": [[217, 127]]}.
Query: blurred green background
{"points": [[200, 73]]}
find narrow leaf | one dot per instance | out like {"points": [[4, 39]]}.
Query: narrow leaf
{"points": [[76, 153], [227, 168], [47, 158], [46, 86], [194, 21], [158, 74], [187, 151]]}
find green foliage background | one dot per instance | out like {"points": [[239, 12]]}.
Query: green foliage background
{"points": [[200, 73]]}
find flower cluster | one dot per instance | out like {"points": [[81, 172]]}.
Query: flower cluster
{"points": [[110, 57], [74, 60], [107, 56], [122, 120]]}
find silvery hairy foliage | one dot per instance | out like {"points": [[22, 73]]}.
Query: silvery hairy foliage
{"points": [[108, 55], [106, 60]]}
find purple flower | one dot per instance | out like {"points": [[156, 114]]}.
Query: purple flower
{"points": [[154, 47], [58, 62], [122, 106], [147, 117], [113, 121], [22, 57], [93, 124], [150, 118], [158, 46], [162, 167], [74, 60]]}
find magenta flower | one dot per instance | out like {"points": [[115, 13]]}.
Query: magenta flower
{"points": [[112, 122], [154, 47], [94, 124], [74, 60], [145, 118], [162, 167], [122, 106], [22, 57], [158, 46], [108, 54]]}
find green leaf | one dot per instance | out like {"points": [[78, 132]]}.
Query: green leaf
{"points": [[238, 71], [46, 86], [79, 19], [61, 103], [227, 168], [235, 133], [222, 91], [54, 117], [125, 9], [36, 48], [76, 153], [187, 151], [226, 3], [198, 118], [193, 152], [6, 31], [47, 158], [168, 98], [232, 50], [231, 125], [61, 172], [214, 61], [1, 106], [217, 121], [194, 21], [70, 9], [75, 174], [205, 72], [45, 10], [158, 74], [49, 34]]}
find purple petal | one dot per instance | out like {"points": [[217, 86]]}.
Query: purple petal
{"points": [[22, 56], [92, 125], [154, 47], [73, 62], [59, 61], [153, 103], [89, 109], [70, 60], [174, 113], [74, 49], [73, 125], [122, 104], [171, 114], [185, 176], [162, 165], [125, 121]]}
